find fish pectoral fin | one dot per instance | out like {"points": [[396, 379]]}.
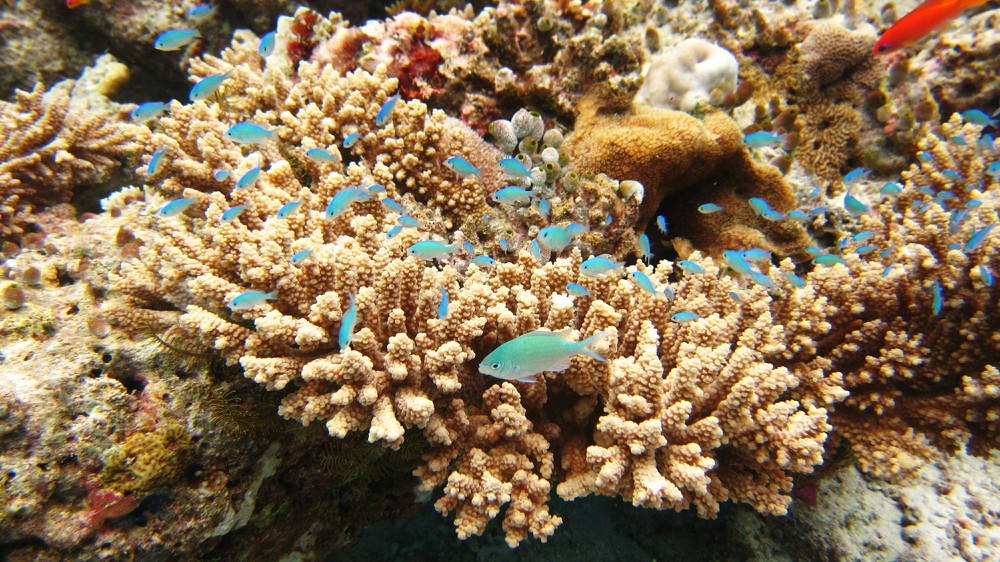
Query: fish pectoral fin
{"points": [[561, 364]]}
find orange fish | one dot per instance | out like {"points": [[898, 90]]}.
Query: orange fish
{"points": [[924, 19], [76, 3]]}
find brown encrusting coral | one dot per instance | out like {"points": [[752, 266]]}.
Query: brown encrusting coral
{"points": [[683, 163]]}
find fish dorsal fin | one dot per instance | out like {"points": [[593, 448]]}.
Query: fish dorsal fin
{"points": [[565, 333]]}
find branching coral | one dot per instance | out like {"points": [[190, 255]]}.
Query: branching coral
{"points": [[729, 406], [48, 148]]}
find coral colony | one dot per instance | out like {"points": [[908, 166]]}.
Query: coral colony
{"points": [[491, 239]]}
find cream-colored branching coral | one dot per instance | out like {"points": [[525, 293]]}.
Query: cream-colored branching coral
{"points": [[921, 366], [728, 406], [47, 148]]}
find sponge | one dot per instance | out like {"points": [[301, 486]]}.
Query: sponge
{"points": [[687, 74]]}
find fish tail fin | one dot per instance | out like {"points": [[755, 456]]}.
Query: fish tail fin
{"points": [[586, 343], [273, 295]]}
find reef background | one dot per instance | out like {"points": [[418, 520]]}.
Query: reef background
{"points": [[136, 419]]}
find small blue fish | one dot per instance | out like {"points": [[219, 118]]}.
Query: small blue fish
{"points": [[891, 188], [300, 256], [512, 195], [544, 207], [866, 249], [577, 290], [925, 157], [443, 307], [669, 293], [514, 168], [762, 139], [888, 268], [322, 156], [175, 207], [645, 251], [856, 175], [978, 117], [955, 246], [736, 261], [221, 175], [469, 247], [554, 238], [266, 46], [250, 299], [684, 317], [249, 133], [736, 297], [148, 110], [946, 195], [818, 211], [574, 229], [233, 213], [408, 222], [977, 238], [248, 179], [661, 223], [462, 167], [175, 39], [928, 191], [815, 251], [985, 144], [201, 12], [959, 140], [343, 199], [599, 265], [155, 163], [536, 250], [773, 216], [394, 231], [863, 236], [350, 139], [994, 169], [794, 279], [827, 260], [973, 203], [709, 208], [690, 266], [288, 208], [431, 250], [643, 281], [527, 355], [761, 279], [608, 220], [483, 261], [759, 205], [853, 206], [207, 86], [503, 245], [797, 216], [936, 302], [951, 174], [756, 254], [395, 207], [386, 111], [346, 333], [985, 275]]}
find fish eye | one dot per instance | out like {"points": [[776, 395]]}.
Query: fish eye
{"points": [[495, 365]]}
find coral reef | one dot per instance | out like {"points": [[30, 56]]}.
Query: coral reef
{"points": [[720, 381]]}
